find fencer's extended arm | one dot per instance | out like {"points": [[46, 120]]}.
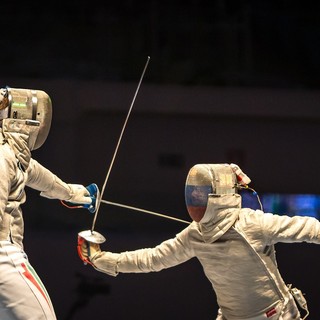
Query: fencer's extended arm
{"points": [[281, 228], [52, 187], [167, 254]]}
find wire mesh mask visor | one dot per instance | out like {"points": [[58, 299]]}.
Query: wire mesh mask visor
{"points": [[205, 179]]}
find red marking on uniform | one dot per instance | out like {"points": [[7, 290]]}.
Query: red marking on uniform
{"points": [[271, 312], [30, 277]]}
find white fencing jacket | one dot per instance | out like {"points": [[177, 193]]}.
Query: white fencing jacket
{"points": [[18, 170], [235, 247], [22, 294]]}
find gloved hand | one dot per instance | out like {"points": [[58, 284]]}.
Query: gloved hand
{"points": [[87, 250], [79, 194], [83, 197]]}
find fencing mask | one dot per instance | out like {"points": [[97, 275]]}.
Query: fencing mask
{"points": [[32, 107], [205, 179]]}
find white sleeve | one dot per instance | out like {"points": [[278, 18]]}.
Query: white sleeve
{"points": [[278, 228], [167, 254], [42, 179]]}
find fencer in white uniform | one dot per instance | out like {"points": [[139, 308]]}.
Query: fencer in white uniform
{"points": [[25, 117], [234, 245]]}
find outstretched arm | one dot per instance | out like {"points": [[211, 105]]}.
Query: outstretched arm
{"points": [[52, 187], [167, 254], [281, 228]]}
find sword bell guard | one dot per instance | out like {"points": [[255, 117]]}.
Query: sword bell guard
{"points": [[92, 236]]}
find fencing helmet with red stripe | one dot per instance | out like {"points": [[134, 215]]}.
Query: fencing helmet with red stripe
{"points": [[205, 179]]}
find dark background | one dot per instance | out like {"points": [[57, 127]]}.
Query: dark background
{"points": [[228, 81]]}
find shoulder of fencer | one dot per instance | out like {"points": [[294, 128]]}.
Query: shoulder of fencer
{"points": [[7, 156], [249, 215], [185, 233], [188, 234], [251, 219]]}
